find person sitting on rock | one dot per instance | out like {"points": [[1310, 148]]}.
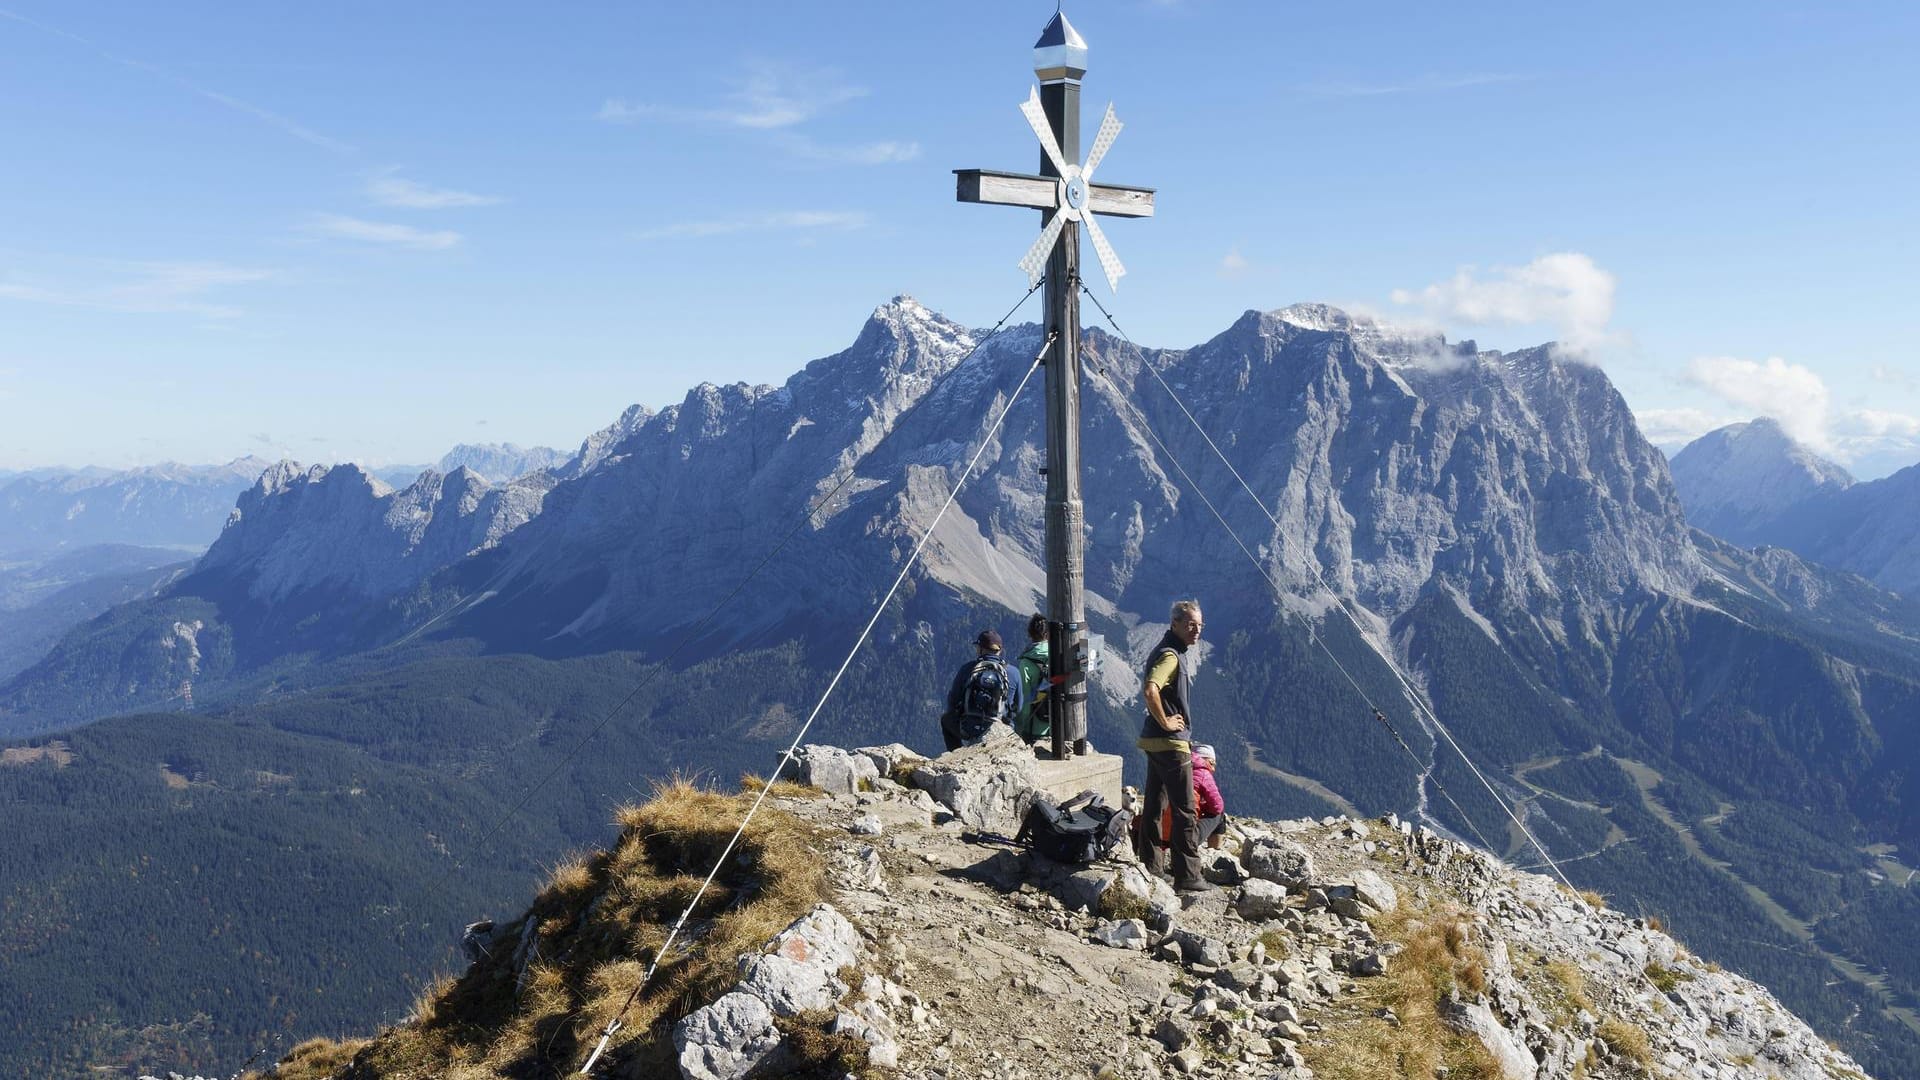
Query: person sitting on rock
{"points": [[1207, 803], [1206, 797], [983, 694], [1031, 722]]}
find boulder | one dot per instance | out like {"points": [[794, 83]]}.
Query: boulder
{"points": [[1125, 934], [1261, 900], [1374, 891], [1200, 949], [1221, 868], [889, 757], [1477, 1020], [800, 970], [986, 787], [1282, 862], [726, 1040], [831, 769], [869, 1023]]}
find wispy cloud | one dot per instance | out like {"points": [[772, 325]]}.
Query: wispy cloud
{"points": [[141, 288], [1567, 291], [1233, 265], [383, 233], [788, 220], [775, 99], [1431, 84], [873, 153], [769, 96], [289, 126], [389, 189]]}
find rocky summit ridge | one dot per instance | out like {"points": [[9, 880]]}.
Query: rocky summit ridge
{"points": [[1333, 948]]}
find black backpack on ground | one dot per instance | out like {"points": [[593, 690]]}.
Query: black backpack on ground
{"points": [[1078, 831], [984, 699]]}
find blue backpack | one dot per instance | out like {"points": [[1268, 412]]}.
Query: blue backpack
{"points": [[984, 700]]}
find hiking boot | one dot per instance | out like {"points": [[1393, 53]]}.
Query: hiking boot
{"points": [[1195, 888]]}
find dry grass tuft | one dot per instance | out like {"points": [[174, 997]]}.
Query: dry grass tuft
{"points": [[1572, 983], [1628, 1041], [1438, 958], [1666, 978], [815, 1053], [534, 1008], [318, 1058], [751, 783]]}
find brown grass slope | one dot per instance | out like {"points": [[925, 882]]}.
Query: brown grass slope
{"points": [[534, 1007]]}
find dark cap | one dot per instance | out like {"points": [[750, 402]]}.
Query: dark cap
{"points": [[988, 639]]}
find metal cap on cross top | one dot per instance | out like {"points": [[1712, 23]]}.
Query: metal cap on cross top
{"points": [[1065, 194], [1061, 53]]}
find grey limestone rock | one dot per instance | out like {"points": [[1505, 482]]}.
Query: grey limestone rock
{"points": [[726, 1040], [1282, 862], [831, 769], [986, 787], [1261, 900]]}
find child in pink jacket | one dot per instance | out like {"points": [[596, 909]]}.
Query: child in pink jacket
{"points": [[1208, 805]]}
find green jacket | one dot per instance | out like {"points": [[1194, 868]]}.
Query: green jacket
{"points": [[1031, 721]]}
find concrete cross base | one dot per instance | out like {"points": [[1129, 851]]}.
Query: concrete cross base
{"points": [[1064, 779]]}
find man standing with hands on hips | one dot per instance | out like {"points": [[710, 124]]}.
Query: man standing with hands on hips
{"points": [[1167, 737]]}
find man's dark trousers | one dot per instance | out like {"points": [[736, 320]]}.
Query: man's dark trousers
{"points": [[1170, 782]]}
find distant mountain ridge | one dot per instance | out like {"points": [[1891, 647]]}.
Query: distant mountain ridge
{"points": [[1737, 481], [1753, 484], [500, 463], [167, 505]]}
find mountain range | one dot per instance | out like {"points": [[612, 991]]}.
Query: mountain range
{"points": [[1722, 736], [1753, 484]]}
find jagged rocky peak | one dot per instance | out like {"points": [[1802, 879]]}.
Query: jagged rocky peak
{"points": [[1737, 480], [606, 442], [300, 527], [500, 462]]}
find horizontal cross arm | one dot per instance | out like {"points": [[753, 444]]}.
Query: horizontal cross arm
{"points": [[1042, 192]]}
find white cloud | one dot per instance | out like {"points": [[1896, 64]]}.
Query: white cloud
{"points": [[784, 220], [143, 288], [770, 96], [384, 233], [1677, 427], [1566, 290], [388, 189], [1790, 393], [1797, 397], [1233, 265], [1874, 422]]}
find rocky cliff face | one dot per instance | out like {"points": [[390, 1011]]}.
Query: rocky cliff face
{"points": [[341, 530], [1738, 481], [1336, 948]]}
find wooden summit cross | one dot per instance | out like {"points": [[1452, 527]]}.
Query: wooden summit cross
{"points": [[1065, 195]]}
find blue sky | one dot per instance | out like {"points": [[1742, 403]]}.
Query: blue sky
{"points": [[369, 231]]}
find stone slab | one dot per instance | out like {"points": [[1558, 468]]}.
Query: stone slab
{"points": [[1064, 779]]}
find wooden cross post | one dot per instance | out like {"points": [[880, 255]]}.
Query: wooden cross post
{"points": [[1065, 195]]}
